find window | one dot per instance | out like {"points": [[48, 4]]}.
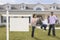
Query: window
{"points": [[1, 8], [58, 8], [29, 19], [3, 19], [27, 7], [13, 7], [38, 9], [54, 7]]}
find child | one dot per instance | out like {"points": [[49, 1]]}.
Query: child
{"points": [[44, 23]]}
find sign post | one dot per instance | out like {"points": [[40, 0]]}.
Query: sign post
{"points": [[7, 24]]}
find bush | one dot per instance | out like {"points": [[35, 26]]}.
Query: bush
{"points": [[2, 25]]}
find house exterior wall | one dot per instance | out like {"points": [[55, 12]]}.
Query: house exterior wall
{"points": [[47, 8]]}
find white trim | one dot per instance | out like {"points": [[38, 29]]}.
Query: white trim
{"points": [[17, 15]]}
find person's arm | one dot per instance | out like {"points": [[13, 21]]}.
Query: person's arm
{"points": [[56, 19], [48, 19]]}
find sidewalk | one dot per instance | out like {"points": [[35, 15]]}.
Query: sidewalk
{"points": [[47, 27]]}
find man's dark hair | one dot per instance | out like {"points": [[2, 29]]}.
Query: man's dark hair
{"points": [[51, 12]]}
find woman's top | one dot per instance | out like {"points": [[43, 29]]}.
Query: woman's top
{"points": [[33, 21]]}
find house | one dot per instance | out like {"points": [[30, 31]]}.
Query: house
{"points": [[28, 9]]}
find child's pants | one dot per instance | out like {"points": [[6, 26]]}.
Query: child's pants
{"points": [[43, 25]]}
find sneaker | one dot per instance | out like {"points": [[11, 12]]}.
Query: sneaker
{"points": [[48, 34]]}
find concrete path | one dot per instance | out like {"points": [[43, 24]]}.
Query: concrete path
{"points": [[47, 27]]}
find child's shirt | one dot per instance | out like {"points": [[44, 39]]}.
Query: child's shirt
{"points": [[45, 21]]}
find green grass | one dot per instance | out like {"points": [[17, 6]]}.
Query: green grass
{"points": [[57, 25], [2, 33], [39, 35]]}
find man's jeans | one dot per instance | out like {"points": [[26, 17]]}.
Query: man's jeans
{"points": [[51, 27]]}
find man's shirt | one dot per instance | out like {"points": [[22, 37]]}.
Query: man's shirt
{"points": [[52, 19]]}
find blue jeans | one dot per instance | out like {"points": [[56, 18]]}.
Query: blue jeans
{"points": [[51, 28], [43, 25]]}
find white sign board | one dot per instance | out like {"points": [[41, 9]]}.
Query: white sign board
{"points": [[19, 24]]}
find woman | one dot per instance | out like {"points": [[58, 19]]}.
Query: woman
{"points": [[34, 20]]}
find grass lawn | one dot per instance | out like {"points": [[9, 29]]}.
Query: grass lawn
{"points": [[39, 35], [2, 33]]}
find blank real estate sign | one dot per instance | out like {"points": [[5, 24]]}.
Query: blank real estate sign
{"points": [[19, 24]]}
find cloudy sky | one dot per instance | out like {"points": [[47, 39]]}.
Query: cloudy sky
{"points": [[29, 1]]}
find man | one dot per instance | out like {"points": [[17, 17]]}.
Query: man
{"points": [[39, 21], [52, 19]]}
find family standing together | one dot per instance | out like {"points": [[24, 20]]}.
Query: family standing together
{"points": [[51, 20]]}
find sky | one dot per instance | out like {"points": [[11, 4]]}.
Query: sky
{"points": [[29, 1]]}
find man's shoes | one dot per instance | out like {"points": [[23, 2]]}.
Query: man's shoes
{"points": [[54, 35], [48, 34], [32, 36]]}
